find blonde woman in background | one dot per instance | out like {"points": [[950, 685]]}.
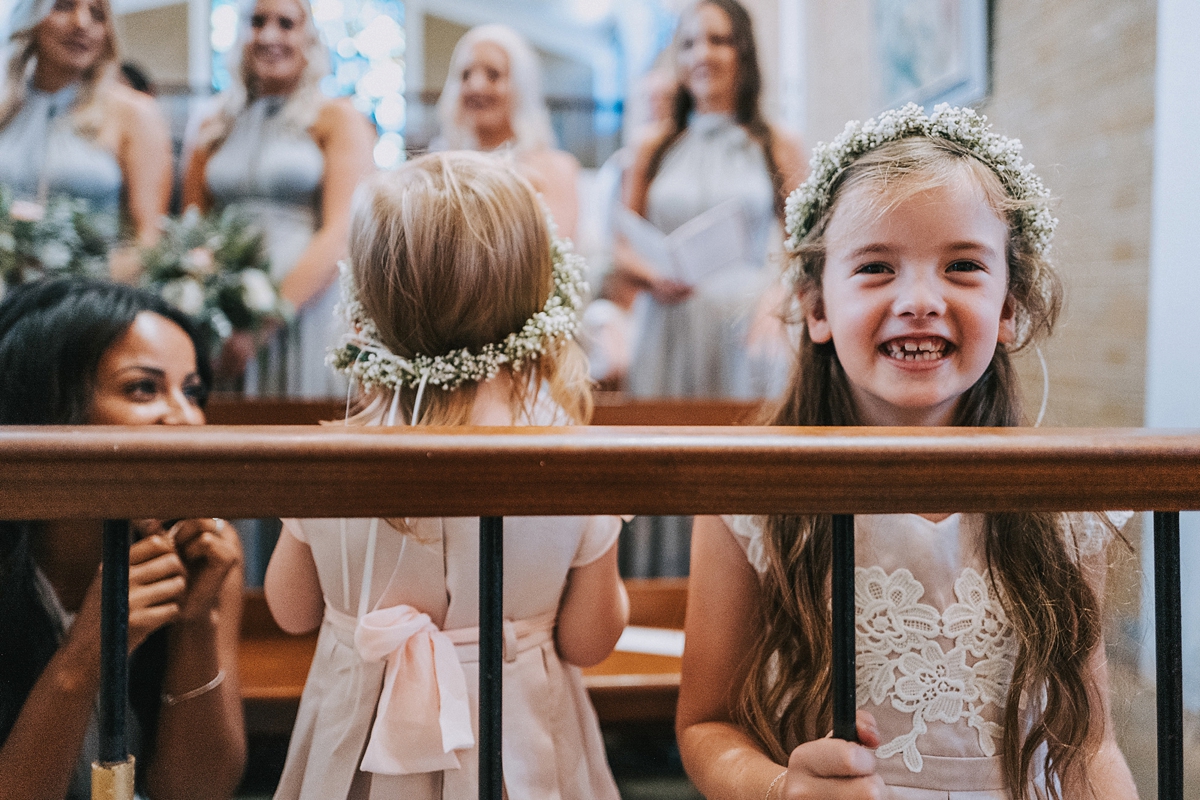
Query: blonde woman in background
{"points": [[68, 127], [493, 101], [292, 158]]}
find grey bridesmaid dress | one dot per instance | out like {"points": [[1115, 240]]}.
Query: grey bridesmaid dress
{"points": [[273, 171]]}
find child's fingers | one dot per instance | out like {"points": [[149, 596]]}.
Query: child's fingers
{"points": [[832, 758], [870, 787], [868, 729]]}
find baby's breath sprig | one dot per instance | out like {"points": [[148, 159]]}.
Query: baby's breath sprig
{"points": [[960, 125], [364, 357]]}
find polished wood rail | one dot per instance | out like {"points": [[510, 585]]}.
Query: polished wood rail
{"points": [[113, 472], [612, 408]]}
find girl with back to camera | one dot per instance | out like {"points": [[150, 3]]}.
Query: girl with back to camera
{"points": [[462, 307], [920, 260]]}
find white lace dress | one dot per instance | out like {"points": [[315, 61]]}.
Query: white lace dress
{"points": [[934, 648]]}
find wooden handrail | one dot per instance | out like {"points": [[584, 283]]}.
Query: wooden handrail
{"points": [[93, 471]]}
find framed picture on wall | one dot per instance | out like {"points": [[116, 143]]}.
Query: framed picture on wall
{"points": [[931, 51]]}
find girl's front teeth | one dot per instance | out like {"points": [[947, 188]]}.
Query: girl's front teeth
{"points": [[927, 350]]}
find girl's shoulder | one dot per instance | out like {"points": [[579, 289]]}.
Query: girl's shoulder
{"points": [[748, 531]]}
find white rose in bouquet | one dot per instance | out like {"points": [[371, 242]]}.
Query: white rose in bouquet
{"points": [[186, 294], [257, 291]]}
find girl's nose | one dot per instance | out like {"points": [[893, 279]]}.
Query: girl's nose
{"points": [[919, 296], [82, 15]]}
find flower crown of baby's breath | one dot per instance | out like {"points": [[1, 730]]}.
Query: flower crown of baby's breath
{"points": [[962, 126], [363, 355]]}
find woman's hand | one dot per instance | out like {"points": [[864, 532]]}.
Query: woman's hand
{"points": [[157, 586], [836, 769], [209, 549]]}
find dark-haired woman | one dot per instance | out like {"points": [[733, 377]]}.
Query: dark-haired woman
{"points": [[700, 341], [82, 352]]}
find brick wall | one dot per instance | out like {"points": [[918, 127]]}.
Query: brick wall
{"points": [[1075, 81]]}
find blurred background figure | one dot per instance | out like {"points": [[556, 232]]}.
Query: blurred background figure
{"points": [[715, 149], [493, 101], [69, 127], [291, 157]]}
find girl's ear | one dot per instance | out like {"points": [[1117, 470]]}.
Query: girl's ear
{"points": [[818, 326], [1008, 322]]}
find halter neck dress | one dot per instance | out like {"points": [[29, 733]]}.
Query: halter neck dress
{"points": [[43, 155], [272, 170], [698, 348]]}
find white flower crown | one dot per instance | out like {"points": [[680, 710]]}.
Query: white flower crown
{"points": [[962, 126], [364, 357]]}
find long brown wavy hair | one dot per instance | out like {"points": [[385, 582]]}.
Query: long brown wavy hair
{"points": [[747, 109], [1033, 571]]}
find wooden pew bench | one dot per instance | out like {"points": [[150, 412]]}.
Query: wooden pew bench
{"points": [[625, 687]]}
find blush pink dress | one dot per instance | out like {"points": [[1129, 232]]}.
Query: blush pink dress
{"points": [[935, 650], [390, 706]]}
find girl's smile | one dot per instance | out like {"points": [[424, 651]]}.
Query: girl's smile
{"points": [[914, 298]]}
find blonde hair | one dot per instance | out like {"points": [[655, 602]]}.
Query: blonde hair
{"points": [[1052, 608], [302, 106], [452, 251], [529, 115], [92, 104]]}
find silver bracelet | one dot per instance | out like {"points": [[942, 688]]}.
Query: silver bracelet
{"points": [[771, 788], [175, 699]]}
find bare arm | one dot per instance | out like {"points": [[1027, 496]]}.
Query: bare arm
{"points": [[555, 175], [39, 755], [724, 620], [292, 587], [1107, 772], [346, 140], [195, 184], [789, 157], [203, 644], [593, 611], [145, 159]]}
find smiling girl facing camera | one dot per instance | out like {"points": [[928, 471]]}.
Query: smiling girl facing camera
{"points": [[919, 259]]}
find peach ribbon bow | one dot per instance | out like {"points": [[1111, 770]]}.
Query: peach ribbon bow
{"points": [[423, 714]]}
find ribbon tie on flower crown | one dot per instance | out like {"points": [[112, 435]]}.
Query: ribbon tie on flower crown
{"points": [[423, 714]]}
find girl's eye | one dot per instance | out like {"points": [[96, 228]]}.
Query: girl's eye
{"points": [[964, 266], [97, 14], [64, 5], [286, 24], [258, 21], [876, 268], [721, 41], [493, 75], [686, 44]]}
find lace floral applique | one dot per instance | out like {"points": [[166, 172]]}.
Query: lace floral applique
{"points": [[900, 657]]}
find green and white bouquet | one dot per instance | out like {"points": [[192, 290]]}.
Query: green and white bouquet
{"points": [[215, 269], [59, 238]]}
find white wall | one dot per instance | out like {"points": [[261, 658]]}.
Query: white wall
{"points": [[1173, 339]]}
